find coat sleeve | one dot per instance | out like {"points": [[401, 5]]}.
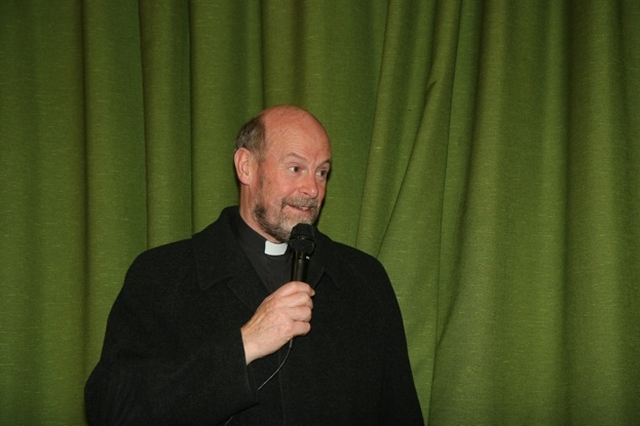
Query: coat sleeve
{"points": [[146, 375], [399, 399], [400, 404]]}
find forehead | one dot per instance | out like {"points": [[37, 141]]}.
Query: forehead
{"points": [[298, 134]]}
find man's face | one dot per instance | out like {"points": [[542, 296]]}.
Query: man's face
{"points": [[292, 178]]}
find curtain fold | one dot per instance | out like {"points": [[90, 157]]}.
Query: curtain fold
{"points": [[165, 72], [114, 167], [487, 153], [603, 204], [401, 216], [42, 226], [534, 330], [226, 88]]}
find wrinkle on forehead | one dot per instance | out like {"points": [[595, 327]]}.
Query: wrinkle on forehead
{"points": [[294, 124]]}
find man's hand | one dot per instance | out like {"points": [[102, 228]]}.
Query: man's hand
{"points": [[280, 317]]}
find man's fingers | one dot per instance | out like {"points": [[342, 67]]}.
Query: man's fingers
{"points": [[294, 287], [300, 313], [289, 300], [283, 315]]}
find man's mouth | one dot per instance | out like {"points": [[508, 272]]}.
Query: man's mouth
{"points": [[305, 208]]}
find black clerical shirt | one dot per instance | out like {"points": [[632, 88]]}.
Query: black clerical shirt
{"points": [[273, 270]]}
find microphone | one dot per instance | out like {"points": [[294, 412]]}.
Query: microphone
{"points": [[303, 243]]}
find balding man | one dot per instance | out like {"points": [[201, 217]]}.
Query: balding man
{"points": [[213, 330]]}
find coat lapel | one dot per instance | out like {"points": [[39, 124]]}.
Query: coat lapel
{"points": [[221, 261]]}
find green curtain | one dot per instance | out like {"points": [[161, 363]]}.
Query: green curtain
{"points": [[487, 152]]}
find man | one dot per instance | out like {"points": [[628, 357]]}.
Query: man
{"points": [[212, 330]]}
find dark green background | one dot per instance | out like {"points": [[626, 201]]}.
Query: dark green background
{"points": [[487, 152]]}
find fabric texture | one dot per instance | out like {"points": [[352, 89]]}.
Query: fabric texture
{"points": [[486, 153]]}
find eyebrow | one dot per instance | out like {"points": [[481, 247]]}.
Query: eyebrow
{"points": [[301, 158]]}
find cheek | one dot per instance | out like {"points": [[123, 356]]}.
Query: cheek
{"points": [[273, 191], [322, 190], [284, 188]]}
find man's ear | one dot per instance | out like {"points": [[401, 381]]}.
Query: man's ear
{"points": [[245, 164]]}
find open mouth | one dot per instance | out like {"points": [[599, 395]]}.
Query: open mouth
{"points": [[305, 209]]}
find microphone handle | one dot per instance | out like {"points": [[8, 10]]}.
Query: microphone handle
{"points": [[299, 267]]}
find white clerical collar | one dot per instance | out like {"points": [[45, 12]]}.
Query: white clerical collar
{"points": [[273, 249]]}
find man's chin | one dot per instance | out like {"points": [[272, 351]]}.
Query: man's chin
{"points": [[296, 216], [307, 219]]}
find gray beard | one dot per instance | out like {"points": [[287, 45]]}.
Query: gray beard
{"points": [[278, 228]]}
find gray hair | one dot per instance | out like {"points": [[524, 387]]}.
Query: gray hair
{"points": [[251, 136]]}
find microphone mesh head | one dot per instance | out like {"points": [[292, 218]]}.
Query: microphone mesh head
{"points": [[303, 238]]}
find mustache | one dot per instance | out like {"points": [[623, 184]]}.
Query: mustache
{"points": [[300, 202]]}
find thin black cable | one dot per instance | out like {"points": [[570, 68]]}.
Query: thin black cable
{"points": [[279, 367], [272, 374]]}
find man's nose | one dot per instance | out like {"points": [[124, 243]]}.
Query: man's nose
{"points": [[310, 186]]}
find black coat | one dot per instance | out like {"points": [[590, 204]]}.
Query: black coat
{"points": [[173, 351]]}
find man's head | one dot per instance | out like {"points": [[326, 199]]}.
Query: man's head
{"points": [[282, 160]]}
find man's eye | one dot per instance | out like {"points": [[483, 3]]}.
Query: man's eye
{"points": [[294, 169]]}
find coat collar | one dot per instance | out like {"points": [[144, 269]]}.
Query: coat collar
{"points": [[221, 261]]}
